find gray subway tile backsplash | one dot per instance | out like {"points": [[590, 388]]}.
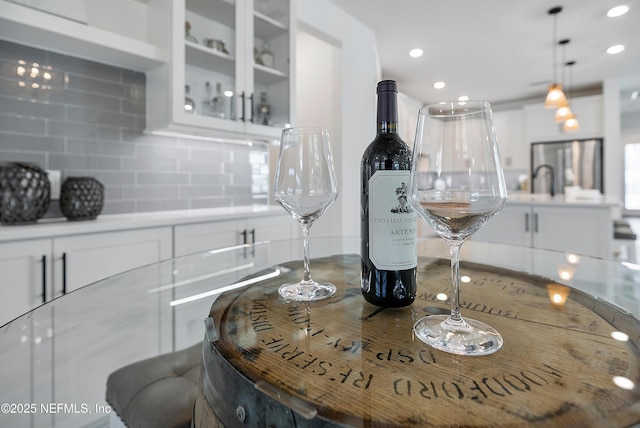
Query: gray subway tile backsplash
{"points": [[88, 119]]}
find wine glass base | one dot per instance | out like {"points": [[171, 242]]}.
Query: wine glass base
{"points": [[469, 337], [307, 291]]}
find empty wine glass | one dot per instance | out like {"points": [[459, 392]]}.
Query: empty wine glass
{"points": [[305, 186], [456, 186]]}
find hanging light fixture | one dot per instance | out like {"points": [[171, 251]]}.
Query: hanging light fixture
{"points": [[564, 111], [571, 122], [555, 96]]}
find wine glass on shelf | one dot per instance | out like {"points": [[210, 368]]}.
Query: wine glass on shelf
{"points": [[305, 185], [456, 186]]}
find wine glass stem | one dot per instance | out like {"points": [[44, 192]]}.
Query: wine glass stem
{"points": [[305, 235], [454, 250]]}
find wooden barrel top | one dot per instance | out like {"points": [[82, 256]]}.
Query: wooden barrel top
{"points": [[344, 362]]}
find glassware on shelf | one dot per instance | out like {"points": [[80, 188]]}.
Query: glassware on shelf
{"points": [[256, 56], [266, 56], [216, 45], [189, 105], [187, 32], [263, 109]]}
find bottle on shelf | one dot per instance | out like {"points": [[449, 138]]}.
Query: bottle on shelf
{"points": [[187, 32], [189, 105], [218, 104], [388, 231], [263, 109], [207, 104]]}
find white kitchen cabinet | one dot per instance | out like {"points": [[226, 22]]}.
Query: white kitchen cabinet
{"points": [[513, 146], [26, 276], [585, 230], [192, 238], [96, 31], [38, 270], [83, 259], [231, 84], [540, 124], [510, 226]]}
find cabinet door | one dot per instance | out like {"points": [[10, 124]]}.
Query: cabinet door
{"points": [[83, 259], [580, 230], [26, 280], [272, 228], [230, 72], [270, 67], [514, 149], [193, 238], [510, 226]]}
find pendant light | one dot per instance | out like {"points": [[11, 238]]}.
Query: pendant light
{"points": [[564, 111], [571, 123], [555, 96]]}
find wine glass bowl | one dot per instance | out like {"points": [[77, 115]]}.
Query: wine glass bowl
{"points": [[456, 186], [305, 186]]}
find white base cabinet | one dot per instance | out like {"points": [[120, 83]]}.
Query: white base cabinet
{"points": [[83, 259], [39, 270], [192, 238], [26, 276], [584, 230]]}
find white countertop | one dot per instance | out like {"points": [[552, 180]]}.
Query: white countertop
{"points": [[47, 228], [543, 199]]}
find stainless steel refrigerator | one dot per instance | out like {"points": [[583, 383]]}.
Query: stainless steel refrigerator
{"points": [[571, 162]]}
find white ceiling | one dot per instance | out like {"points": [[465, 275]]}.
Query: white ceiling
{"points": [[501, 50]]}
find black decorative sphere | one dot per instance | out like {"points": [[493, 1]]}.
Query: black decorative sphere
{"points": [[81, 198], [24, 192]]}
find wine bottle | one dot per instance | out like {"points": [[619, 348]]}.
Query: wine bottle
{"points": [[388, 229]]}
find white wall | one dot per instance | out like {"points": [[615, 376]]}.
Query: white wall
{"points": [[360, 70], [613, 147], [318, 103]]}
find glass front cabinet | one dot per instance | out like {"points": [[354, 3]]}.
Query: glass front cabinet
{"points": [[231, 69]]}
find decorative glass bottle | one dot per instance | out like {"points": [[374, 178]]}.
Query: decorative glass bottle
{"points": [[263, 109]]}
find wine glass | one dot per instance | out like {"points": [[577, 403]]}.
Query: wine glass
{"points": [[305, 186], [456, 186]]}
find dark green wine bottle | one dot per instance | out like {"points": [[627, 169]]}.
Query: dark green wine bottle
{"points": [[388, 232]]}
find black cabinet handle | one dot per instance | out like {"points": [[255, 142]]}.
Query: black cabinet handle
{"points": [[64, 273], [251, 99], [535, 222], [44, 278], [526, 222], [242, 118], [244, 236], [253, 236]]}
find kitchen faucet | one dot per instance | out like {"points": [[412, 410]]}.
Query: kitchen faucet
{"points": [[553, 176]]}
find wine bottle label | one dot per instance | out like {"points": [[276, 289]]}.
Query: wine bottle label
{"points": [[393, 228]]}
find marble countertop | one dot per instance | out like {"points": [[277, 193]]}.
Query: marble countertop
{"points": [[540, 199], [48, 228]]}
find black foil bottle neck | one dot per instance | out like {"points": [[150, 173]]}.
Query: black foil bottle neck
{"points": [[387, 107]]}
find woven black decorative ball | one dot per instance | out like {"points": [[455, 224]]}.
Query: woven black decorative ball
{"points": [[24, 192], [81, 198]]}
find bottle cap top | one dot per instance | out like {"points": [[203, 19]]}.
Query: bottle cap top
{"points": [[387, 86]]}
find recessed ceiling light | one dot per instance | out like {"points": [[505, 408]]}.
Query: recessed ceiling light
{"points": [[463, 98], [615, 49], [415, 53], [439, 85], [618, 11]]}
